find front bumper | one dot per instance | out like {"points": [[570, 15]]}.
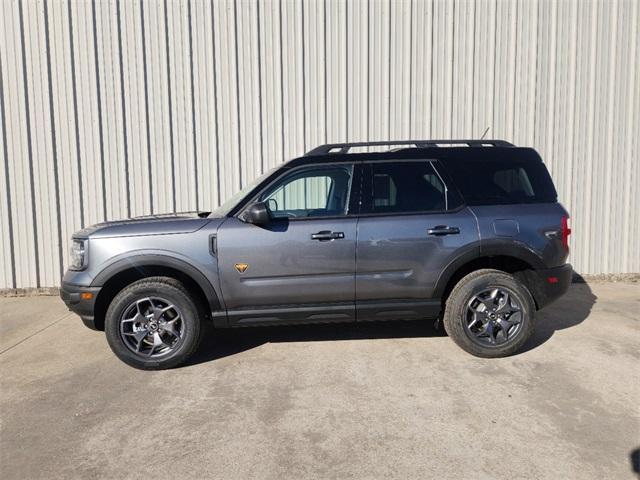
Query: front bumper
{"points": [[549, 284], [71, 296]]}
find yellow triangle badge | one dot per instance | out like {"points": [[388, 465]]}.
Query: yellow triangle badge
{"points": [[241, 267]]}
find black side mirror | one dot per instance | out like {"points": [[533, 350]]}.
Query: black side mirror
{"points": [[258, 214]]}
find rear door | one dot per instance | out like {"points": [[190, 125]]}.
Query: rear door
{"points": [[301, 266], [411, 227]]}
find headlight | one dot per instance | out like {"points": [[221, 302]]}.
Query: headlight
{"points": [[78, 254]]}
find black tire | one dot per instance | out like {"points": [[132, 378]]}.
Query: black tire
{"points": [[190, 311], [459, 314]]}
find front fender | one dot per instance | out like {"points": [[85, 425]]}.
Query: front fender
{"points": [[139, 260]]}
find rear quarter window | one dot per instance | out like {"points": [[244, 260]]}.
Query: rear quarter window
{"points": [[490, 182]]}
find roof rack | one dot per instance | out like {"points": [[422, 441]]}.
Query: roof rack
{"points": [[345, 147]]}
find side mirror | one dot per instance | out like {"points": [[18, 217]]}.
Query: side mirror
{"points": [[258, 214]]}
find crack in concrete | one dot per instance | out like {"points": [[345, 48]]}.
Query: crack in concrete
{"points": [[66, 315]]}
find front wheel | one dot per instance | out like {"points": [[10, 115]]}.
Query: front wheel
{"points": [[154, 324], [489, 314]]}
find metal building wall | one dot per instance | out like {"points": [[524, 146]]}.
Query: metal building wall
{"points": [[112, 109]]}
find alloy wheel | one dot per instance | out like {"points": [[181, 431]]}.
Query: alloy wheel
{"points": [[151, 327], [493, 316]]}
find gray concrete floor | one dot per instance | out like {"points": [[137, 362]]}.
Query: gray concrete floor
{"points": [[394, 400]]}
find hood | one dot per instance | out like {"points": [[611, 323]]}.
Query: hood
{"points": [[164, 224]]}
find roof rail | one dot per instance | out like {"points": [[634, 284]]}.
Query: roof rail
{"points": [[345, 147]]}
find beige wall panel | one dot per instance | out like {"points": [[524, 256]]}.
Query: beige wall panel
{"points": [[112, 108]]}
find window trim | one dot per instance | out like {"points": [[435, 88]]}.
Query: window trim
{"points": [[446, 188], [355, 172], [368, 172]]}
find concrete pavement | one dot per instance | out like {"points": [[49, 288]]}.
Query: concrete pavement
{"points": [[392, 400]]}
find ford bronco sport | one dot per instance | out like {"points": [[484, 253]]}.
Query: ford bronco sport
{"points": [[468, 232]]}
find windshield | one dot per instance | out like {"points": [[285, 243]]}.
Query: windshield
{"points": [[224, 209]]}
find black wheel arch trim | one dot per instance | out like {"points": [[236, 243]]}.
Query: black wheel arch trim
{"points": [[487, 248], [512, 248], [158, 260]]}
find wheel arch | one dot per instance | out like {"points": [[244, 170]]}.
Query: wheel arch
{"points": [[118, 275], [507, 257]]}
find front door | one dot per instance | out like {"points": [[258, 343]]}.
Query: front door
{"points": [[411, 228], [301, 266]]}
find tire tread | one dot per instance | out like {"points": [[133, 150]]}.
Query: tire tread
{"points": [[155, 283], [452, 316]]}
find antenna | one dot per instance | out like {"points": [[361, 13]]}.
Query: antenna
{"points": [[485, 132]]}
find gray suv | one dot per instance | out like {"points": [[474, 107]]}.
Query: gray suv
{"points": [[465, 232]]}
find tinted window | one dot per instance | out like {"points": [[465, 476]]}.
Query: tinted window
{"points": [[405, 187], [310, 192], [485, 182]]}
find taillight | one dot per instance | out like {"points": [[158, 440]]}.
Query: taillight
{"points": [[566, 231]]}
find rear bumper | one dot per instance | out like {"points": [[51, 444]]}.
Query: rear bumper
{"points": [[71, 296], [549, 284]]}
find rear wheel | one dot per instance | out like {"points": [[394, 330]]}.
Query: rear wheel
{"points": [[154, 324], [489, 314]]}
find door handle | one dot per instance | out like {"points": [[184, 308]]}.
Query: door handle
{"points": [[325, 235], [443, 230]]}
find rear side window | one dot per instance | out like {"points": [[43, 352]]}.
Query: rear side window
{"points": [[488, 182], [402, 187]]}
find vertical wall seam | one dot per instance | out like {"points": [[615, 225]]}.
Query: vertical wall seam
{"points": [[123, 102], [282, 143], [304, 93], [453, 64], [5, 152], [574, 86], [552, 109], [260, 119], [237, 58], [410, 68], [389, 42], [368, 121], [215, 100], [473, 74], [193, 109], [346, 72], [632, 134], [25, 80], [146, 104], [74, 93], [613, 32], [324, 38], [535, 76], [431, 74], [54, 142], [593, 62], [515, 75], [495, 63], [170, 106], [99, 104]]}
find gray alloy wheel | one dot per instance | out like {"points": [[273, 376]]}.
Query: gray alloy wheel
{"points": [[151, 327], [489, 313], [493, 316], [154, 323]]}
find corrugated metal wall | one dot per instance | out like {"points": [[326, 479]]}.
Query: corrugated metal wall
{"points": [[117, 108]]}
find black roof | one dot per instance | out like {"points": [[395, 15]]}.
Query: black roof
{"points": [[429, 152]]}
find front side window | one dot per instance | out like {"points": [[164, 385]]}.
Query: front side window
{"points": [[404, 187], [310, 192]]}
